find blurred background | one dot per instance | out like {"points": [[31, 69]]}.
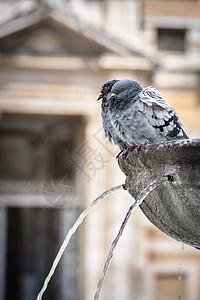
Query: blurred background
{"points": [[54, 160]]}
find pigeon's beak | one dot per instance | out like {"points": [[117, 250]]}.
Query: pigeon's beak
{"points": [[100, 97]]}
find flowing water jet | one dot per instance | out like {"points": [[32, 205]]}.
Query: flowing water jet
{"points": [[71, 232], [143, 194]]}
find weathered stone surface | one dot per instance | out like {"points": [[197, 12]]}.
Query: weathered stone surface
{"points": [[174, 208]]}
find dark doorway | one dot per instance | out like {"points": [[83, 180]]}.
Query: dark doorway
{"points": [[32, 150], [32, 243]]}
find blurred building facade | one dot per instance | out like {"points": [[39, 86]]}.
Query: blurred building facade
{"points": [[54, 159]]}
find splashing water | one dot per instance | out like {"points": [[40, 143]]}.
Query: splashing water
{"points": [[71, 232], [180, 269], [143, 194]]}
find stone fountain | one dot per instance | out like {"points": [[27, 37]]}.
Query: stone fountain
{"points": [[173, 207]]}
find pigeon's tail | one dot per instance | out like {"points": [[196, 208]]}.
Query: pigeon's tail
{"points": [[177, 131], [185, 136]]}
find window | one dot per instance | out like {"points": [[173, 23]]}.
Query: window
{"points": [[171, 39]]}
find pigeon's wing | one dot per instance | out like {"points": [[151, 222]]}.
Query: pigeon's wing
{"points": [[160, 115]]}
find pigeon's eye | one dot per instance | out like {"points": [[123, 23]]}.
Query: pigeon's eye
{"points": [[121, 90], [105, 88]]}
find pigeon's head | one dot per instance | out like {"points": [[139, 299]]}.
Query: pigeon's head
{"points": [[106, 90], [126, 88]]}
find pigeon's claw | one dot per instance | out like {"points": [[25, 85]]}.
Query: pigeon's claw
{"points": [[120, 153], [129, 147], [140, 145]]}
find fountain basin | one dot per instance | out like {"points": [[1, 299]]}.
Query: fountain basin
{"points": [[174, 208]]}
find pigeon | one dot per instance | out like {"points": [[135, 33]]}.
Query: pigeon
{"points": [[133, 116], [105, 94]]}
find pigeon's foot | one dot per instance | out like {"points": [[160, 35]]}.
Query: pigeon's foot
{"points": [[130, 147], [120, 153], [140, 145]]}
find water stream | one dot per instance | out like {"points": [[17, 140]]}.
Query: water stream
{"points": [[143, 194], [71, 232]]}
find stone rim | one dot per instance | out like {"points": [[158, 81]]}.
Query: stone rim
{"points": [[175, 217]]}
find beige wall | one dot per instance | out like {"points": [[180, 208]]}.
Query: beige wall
{"points": [[172, 7]]}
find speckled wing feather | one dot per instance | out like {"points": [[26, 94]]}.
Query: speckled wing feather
{"points": [[160, 115]]}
